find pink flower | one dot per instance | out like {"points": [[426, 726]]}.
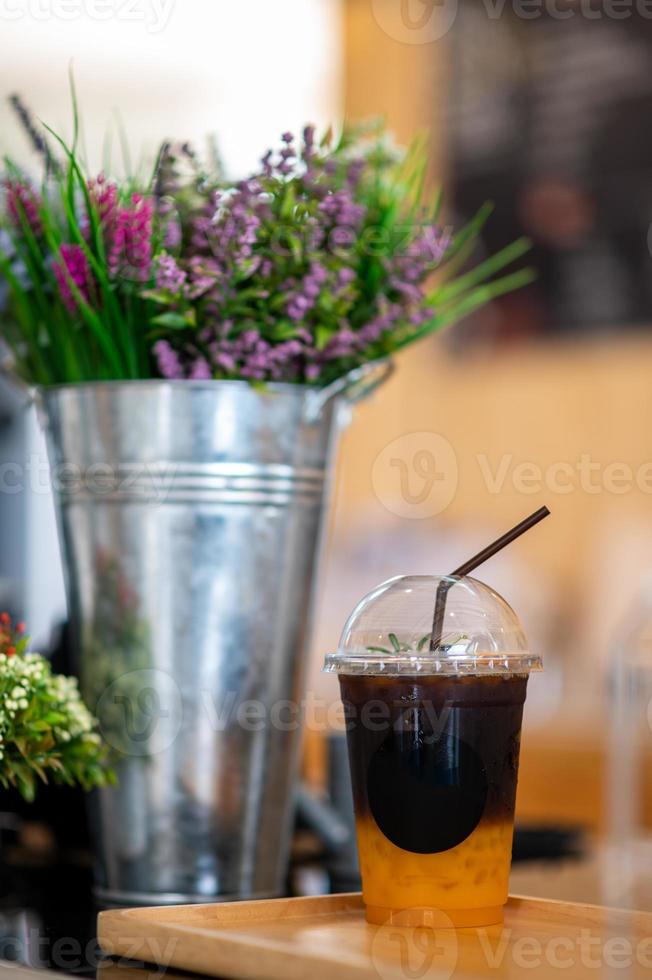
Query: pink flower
{"points": [[105, 200], [73, 268], [130, 255], [23, 204]]}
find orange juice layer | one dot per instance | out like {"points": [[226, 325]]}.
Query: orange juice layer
{"points": [[474, 874]]}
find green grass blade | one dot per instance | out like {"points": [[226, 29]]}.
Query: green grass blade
{"points": [[472, 301], [27, 324], [75, 107], [469, 234], [481, 272]]}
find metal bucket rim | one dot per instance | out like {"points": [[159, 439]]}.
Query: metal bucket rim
{"points": [[210, 384], [334, 388]]}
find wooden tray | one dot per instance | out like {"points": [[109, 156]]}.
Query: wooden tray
{"points": [[327, 939]]}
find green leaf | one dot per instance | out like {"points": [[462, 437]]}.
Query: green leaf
{"points": [[289, 201], [175, 321], [23, 777], [158, 296], [393, 639], [284, 330], [436, 206], [295, 247], [39, 726], [322, 336], [55, 718]]}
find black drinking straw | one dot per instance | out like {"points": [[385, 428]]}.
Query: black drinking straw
{"points": [[471, 564]]}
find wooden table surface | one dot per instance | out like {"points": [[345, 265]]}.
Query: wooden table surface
{"points": [[326, 938]]}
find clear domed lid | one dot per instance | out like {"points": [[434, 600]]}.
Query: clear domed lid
{"points": [[395, 629]]}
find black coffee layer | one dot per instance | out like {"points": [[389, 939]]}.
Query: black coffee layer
{"points": [[433, 757]]}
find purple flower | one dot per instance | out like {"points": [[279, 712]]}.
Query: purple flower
{"points": [[431, 245], [343, 344], [223, 359], [173, 234], [168, 361], [279, 250], [169, 276], [200, 370], [389, 316], [308, 150], [341, 209], [228, 235], [318, 273], [420, 316], [408, 269], [343, 283], [345, 276], [303, 299], [342, 237], [355, 172], [408, 289], [266, 161], [72, 272], [247, 340]]}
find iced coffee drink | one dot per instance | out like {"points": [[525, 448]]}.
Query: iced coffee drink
{"points": [[433, 739]]}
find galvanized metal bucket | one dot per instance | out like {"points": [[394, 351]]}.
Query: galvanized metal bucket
{"points": [[189, 517]]}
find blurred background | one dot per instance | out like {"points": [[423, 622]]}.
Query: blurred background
{"points": [[543, 398]]}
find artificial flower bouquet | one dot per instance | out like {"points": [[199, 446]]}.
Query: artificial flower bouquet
{"points": [[46, 732], [332, 253]]}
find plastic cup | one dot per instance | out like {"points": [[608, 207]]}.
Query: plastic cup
{"points": [[433, 739]]}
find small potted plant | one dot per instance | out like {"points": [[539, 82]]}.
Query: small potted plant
{"points": [[47, 733]]}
